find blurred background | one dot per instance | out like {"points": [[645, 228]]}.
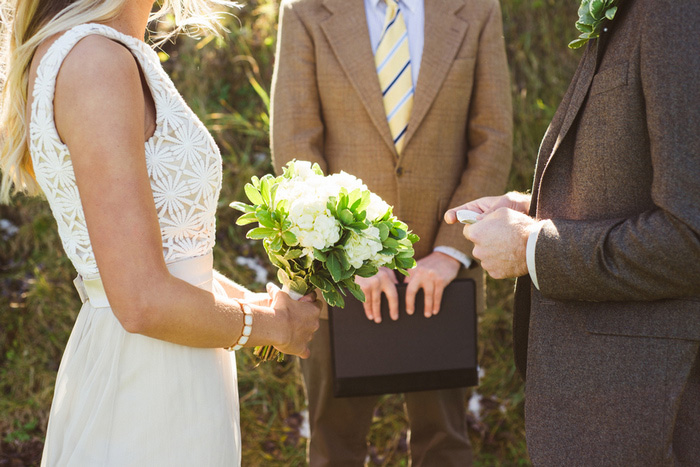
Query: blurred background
{"points": [[226, 81]]}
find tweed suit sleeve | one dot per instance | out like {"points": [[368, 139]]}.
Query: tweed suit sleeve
{"points": [[654, 255], [296, 128], [489, 128]]}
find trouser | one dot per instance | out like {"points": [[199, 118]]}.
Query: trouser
{"points": [[339, 426]]}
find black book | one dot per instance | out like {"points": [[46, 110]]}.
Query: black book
{"points": [[414, 353]]}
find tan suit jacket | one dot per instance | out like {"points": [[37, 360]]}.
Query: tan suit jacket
{"points": [[609, 339], [327, 108]]}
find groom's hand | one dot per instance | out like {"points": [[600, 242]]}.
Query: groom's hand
{"points": [[519, 202], [373, 287], [500, 242], [432, 274]]}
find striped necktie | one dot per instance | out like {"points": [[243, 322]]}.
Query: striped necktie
{"points": [[393, 63]]}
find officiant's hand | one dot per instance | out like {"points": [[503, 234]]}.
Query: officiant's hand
{"points": [[373, 287], [519, 202], [432, 274], [500, 242]]}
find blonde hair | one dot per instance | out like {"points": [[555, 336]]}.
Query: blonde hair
{"points": [[24, 25]]}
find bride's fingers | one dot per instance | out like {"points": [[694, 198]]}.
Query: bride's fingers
{"points": [[272, 289], [310, 297]]}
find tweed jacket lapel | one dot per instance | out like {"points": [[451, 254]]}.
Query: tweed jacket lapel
{"points": [[444, 34], [561, 123], [348, 36]]}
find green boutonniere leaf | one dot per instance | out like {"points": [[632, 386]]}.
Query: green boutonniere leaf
{"points": [[592, 16]]}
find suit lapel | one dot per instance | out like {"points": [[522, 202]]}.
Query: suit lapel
{"points": [[580, 92], [444, 34], [348, 36], [557, 131]]}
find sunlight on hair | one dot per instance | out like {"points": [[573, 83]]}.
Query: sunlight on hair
{"points": [[25, 24]]}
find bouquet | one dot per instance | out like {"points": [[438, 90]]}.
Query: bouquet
{"points": [[322, 231]]}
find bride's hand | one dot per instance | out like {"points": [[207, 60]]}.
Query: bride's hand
{"points": [[298, 319]]}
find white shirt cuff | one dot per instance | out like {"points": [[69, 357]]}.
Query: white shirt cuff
{"points": [[454, 253], [530, 255]]}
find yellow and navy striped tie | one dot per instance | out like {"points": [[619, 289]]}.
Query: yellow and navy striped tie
{"points": [[393, 62]]}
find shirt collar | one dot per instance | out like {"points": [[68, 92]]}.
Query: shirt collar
{"points": [[410, 4]]}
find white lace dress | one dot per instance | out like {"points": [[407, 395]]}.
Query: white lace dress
{"points": [[124, 399]]}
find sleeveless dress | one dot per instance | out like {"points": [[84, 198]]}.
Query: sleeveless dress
{"points": [[124, 399]]}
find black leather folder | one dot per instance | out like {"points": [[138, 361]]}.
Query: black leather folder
{"points": [[414, 353]]}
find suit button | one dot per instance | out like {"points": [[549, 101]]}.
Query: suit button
{"points": [[399, 171]]}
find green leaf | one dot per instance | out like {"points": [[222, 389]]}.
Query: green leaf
{"points": [[293, 253], [260, 232], [253, 194], [275, 244], [383, 231], [610, 13], [333, 265], [343, 258], [289, 238], [242, 206], [390, 243], [333, 298], [364, 202], [346, 216], [265, 219], [342, 200], [413, 237], [321, 282], [596, 8], [355, 289], [367, 270], [247, 218], [577, 43], [265, 189], [319, 255]]}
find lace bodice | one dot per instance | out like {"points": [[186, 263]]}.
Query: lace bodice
{"points": [[184, 164]]}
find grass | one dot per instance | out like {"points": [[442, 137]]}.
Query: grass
{"points": [[226, 81]]}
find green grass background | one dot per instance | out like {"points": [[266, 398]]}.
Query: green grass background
{"points": [[226, 81]]}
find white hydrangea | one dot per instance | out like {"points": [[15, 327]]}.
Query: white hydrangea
{"points": [[363, 247], [312, 222], [377, 208], [307, 194]]}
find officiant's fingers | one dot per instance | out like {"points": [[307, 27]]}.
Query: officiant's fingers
{"points": [[392, 298], [367, 306], [437, 298]]}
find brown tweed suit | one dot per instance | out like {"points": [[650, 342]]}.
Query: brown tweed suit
{"points": [[327, 107], [610, 341]]}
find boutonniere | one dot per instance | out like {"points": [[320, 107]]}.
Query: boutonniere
{"points": [[592, 14]]}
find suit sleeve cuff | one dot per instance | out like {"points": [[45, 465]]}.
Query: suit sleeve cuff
{"points": [[454, 253], [530, 255]]}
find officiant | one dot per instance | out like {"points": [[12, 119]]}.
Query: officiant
{"points": [[414, 99]]}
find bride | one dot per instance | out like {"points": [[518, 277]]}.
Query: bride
{"points": [[132, 177]]}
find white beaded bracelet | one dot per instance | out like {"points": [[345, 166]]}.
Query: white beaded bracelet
{"points": [[247, 328]]}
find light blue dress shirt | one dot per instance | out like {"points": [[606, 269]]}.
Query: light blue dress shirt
{"points": [[413, 12], [414, 17]]}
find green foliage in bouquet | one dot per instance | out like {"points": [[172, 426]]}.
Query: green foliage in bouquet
{"points": [[324, 245], [592, 16]]}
